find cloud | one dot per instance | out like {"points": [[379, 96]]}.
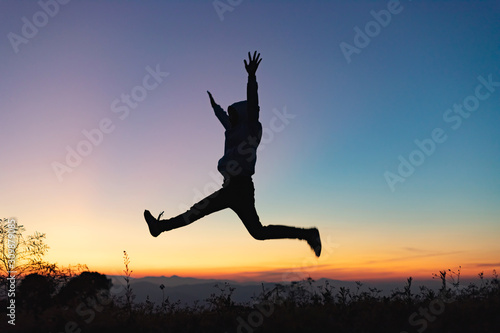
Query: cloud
{"points": [[404, 258], [284, 274], [485, 264], [413, 249]]}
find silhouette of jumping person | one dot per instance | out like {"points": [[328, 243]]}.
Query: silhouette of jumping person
{"points": [[243, 132]]}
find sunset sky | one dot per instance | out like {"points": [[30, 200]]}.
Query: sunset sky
{"points": [[381, 128]]}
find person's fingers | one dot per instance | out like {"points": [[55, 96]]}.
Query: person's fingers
{"points": [[258, 62], [246, 65], [254, 55]]}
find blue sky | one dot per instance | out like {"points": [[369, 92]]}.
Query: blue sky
{"points": [[348, 124]]}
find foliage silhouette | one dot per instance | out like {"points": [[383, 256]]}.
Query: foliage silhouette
{"points": [[35, 293], [294, 307], [84, 287], [28, 251]]}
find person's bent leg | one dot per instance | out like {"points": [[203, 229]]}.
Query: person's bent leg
{"points": [[251, 221], [243, 204]]}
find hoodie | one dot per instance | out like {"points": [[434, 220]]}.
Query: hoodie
{"points": [[242, 138]]}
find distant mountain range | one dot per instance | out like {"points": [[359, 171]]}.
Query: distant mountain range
{"points": [[188, 290]]}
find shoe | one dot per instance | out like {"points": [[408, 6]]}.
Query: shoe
{"points": [[153, 224], [314, 241]]}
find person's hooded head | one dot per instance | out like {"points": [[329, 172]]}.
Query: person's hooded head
{"points": [[237, 113]]}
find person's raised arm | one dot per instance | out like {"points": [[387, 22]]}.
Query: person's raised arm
{"points": [[219, 113], [252, 96]]}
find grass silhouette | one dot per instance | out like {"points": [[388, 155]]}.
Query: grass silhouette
{"points": [[51, 304]]}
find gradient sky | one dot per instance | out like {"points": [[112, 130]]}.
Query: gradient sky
{"points": [[325, 167]]}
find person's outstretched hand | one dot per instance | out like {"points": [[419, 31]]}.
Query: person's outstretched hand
{"points": [[252, 65], [212, 101]]}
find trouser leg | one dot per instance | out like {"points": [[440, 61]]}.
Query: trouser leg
{"points": [[244, 206], [251, 221], [216, 201]]}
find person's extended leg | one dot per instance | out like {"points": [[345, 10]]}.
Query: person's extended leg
{"points": [[244, 207], [213, 203], [251, 221]]}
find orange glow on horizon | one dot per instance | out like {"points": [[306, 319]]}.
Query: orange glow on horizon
{"points": [[282, 275]]}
